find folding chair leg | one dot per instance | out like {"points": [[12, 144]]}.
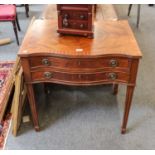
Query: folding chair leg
{"points": [[129, 9], [138, 15], [27, 10], [17, 22], [15, 30]]}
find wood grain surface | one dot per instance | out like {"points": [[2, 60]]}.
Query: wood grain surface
{"points": [[110, 38]]}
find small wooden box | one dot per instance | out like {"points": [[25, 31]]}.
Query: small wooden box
{"points": [[76, 19]]}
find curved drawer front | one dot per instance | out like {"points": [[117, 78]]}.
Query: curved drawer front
{"points": [[80, 63], [75, 78]]}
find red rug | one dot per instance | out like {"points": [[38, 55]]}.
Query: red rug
{"points": [[4, 131], [5, 81]]}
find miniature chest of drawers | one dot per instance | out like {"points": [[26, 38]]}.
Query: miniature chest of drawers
{"points": [[75, 19], [112, 57]]}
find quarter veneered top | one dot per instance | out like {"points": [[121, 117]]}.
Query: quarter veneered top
{"points": [[110, 38]]}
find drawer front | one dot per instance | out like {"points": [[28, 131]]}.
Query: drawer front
{"points": [[62, 77], [81, 64], [75, 24], [75, 15]]}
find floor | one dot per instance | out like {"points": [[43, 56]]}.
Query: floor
{"points": [[90, 117]]}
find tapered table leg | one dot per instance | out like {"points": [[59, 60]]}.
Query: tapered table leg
{"points": [[31, 98], [129, 95], [115, 89]]}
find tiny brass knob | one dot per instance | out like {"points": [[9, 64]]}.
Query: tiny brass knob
{"points": [[113, 63], [47, 75], [45, 62], [112, 76], [81, 16], [65, 22], [66, 15], [81, 26]]}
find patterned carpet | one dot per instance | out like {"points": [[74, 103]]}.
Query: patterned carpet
{"points": [[5, 83], [4, 130]]}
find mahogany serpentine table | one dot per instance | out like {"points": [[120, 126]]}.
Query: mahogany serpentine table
{"points": [[111, 57]]}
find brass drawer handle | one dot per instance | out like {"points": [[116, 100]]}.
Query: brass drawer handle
{"points": [[45, 62], [113, 63], [112, 76], [47, 75]]}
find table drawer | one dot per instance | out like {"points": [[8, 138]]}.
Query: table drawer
{"points": [[76, 15], [75, 24], [99, 77], [79, 63]]}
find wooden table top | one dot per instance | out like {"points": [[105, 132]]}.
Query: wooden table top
{"points": [[110, 38]]}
